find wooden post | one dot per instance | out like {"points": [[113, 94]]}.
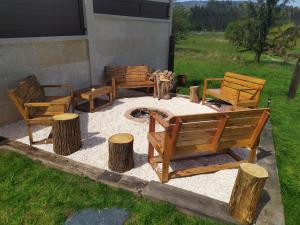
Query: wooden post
{"points": [[246, 192], [121, 152], [194, 94], [66, 133], [295, 81]]}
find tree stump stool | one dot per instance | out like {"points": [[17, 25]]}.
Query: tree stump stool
{"points": [[194, 94], [121, 152], [246, 192], [66, 133]]}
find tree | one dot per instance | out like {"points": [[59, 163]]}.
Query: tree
{"points": [[251, 32], [180, 22], [283, 38], [215, 15]]}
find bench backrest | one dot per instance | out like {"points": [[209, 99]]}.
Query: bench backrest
{"points": [[27, 90], [118, 72], [233, 81], [124, 74], [215, 132], [137, 73]]}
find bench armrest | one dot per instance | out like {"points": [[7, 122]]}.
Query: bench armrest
{"points": [[154, 117], [211, 79], [214, 79]]}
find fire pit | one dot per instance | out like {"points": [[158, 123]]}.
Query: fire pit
{"points": [[142, 114]]}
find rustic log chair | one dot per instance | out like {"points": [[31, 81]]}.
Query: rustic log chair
{"points": [[236, 89], [205, 134], [35, 107], [130, 77]]}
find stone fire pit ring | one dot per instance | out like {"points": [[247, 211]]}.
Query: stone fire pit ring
{"points": [[141, 114]]}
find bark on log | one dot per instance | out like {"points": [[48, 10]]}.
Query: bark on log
{"points": [[246, 192], [194, 94], [66, 133], [121, 153]]}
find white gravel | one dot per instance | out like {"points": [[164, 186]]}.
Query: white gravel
{"points": [[97, 127]]}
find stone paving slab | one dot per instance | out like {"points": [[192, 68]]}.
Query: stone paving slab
{"points": [[113, 216]]}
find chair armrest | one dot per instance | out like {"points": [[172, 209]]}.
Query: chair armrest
{"points": [[154, 116], [42, 104]]}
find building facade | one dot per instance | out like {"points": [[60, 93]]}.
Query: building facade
{"points": [[71, 41]]}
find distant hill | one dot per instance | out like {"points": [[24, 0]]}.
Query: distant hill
{"points": [[191, 3], [199, 3]]}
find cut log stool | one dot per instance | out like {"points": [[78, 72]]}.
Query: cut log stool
{"points": [[66, 133], [246, 192], [194, 94], [121, 152]]}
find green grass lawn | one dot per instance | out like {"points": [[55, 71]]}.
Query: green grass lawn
{"points": [[33, 194], [209, 55]]}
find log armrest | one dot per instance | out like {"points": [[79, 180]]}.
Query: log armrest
{"points": [[70, 87], [154, 117]]}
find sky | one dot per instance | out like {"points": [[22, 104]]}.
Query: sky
{"points": [[293, 3]]}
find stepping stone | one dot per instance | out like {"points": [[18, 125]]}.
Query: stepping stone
{"points": [[113, 216]]}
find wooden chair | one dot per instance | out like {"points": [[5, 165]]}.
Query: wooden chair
{"points": [[35, 107], [130, 77], [205, 134], [238, 90]]}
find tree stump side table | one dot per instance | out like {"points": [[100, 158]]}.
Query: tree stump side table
{"points": [[246, 192], [66, 133], [121, 152]]}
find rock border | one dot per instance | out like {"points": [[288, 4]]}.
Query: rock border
{"points": [[270, 210]]}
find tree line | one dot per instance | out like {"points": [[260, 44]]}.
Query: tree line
{"points": [[217, 15]]}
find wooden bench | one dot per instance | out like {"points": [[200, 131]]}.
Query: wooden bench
{"points": [[206, 134], [35, 107], [129, 77], [236, 89]]}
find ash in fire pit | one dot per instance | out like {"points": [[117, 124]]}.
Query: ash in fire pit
{"points": [[142, 114]]}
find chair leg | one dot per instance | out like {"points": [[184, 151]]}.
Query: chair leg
{"points": [[252, 156], [29, 127], [165, 171], [150, 152]]}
